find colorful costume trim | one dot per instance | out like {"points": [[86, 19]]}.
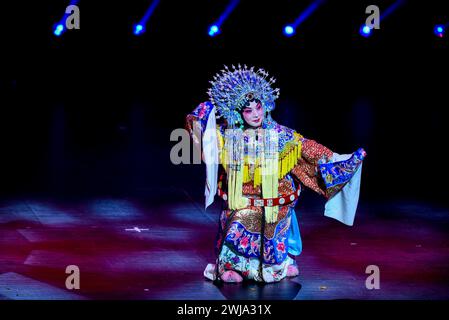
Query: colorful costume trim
{"points": [[338, 173], [261, 177]]}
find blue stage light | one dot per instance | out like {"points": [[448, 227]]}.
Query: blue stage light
{"points": [[58, 30], [289, 31], [60, 27], [138, 29], [439, 31], [365, 31], [213, 30]]}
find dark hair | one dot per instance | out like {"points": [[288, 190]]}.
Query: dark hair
{"points": [[248, 101], [246, 105]]}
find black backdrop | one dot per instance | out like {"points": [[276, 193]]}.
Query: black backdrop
{"points": [[92, 111]]}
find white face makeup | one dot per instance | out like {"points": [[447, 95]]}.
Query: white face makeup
{"points": [[253, 114]]}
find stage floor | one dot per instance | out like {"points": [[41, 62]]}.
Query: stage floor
{"points": [[158, 247]]}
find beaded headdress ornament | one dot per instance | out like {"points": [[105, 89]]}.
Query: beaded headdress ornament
{"points": [[232, 89]]}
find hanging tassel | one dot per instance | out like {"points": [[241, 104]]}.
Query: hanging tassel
{"points": [[279, 169], [270, 172], [295, 155], [234, 151], [231, 188], [230, 165], [289, 158], [284, 165], [258, 176], [246, 177], [240, 201]]}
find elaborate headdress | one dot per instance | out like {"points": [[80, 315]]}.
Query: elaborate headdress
{"points": [[232, 89]]}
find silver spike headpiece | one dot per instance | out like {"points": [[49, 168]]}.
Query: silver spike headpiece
{"points": [[232, 89]]}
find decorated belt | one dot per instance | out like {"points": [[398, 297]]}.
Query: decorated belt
{"points": [[267, 202]]}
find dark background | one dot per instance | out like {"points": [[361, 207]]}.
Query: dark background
{"points": [[91, 112]]}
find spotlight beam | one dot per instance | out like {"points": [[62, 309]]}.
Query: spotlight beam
{"points": [[390, 9], [290, 29], [307, 13], [139, 28], [383, 15], [214, 29], [59, 28], [227, 12], [149, 12]]}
